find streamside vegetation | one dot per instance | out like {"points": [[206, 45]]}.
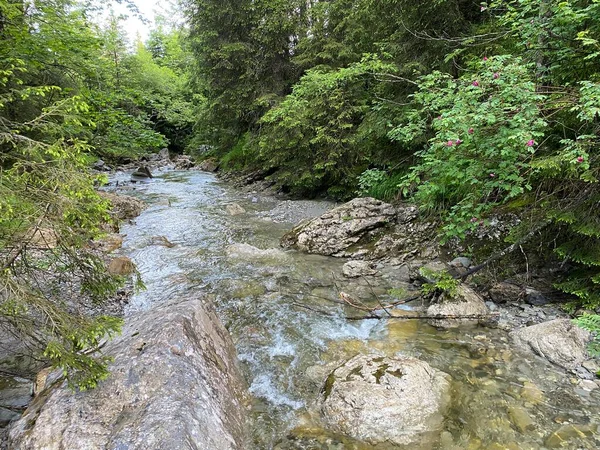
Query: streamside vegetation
{"points": [[73, 89], [468, 109]]}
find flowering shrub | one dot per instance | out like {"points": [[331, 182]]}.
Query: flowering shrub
{"points": [[482, 137]]}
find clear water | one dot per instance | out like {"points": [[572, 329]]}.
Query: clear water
{"points": [[286, 350]]}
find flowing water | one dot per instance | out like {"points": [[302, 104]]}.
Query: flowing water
{"points": [[286, 350]]}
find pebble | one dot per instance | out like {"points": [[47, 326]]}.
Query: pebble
{"points": [[566, 433], [521, 419]]}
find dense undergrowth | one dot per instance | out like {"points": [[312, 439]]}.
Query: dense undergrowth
{"points": [[468, 109], [465, 108], [72, 91]]}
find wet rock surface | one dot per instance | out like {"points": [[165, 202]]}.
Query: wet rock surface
{"points": [[401, 401], [466, 303], [174, 384], [560, 341], [342, 227]]}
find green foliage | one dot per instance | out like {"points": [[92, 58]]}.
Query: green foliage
{"points": [[484, 128], [591, 323], [379, 184], [470, 134], [65, 88], [444, 282], [311, 137]]}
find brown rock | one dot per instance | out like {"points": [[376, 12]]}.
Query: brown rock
{"points": [[110, 243], [121, 266], [42, 239], [209, 165], [505, 292], [123, 207]]}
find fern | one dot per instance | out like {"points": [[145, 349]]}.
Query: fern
{"points": [[591, 323]]}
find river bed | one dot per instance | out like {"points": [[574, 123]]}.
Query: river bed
{"points": [[286, 351]]}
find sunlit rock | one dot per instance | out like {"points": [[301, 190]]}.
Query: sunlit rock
{"points": [[399, 401]]}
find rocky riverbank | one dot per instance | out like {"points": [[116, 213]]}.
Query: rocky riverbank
{"points": [[313, 336]]}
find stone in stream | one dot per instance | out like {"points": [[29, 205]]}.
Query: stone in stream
{"points": [[560, 341], [249, 253], [355, 269], [398, 401], [121, 266], [233, 209], [341, 228], [184, 162], [174, 384], [466, 303], [123, 207], [141, 173]]}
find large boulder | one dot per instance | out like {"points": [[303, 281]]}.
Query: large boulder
{"points": [[341, 228], [465, 308], [123, 207], [399, 401], [355, 269], [174, 384], [560, 341]]}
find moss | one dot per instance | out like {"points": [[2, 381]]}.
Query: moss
{"points": [[328, 386], [380, 372]]}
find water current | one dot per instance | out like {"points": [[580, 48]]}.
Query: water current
{"points": [[286, 350]]}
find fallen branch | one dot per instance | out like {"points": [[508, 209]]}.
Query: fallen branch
{"points": [[503, 253]]}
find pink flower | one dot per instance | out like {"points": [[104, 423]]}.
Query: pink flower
{"points": [[492, 175], [530, 143], [449, 143], [496, 76], [474, 219], [458, 142], [485, 58], [580, 159], [439, 117], [471, 131], [476, 83], [483, 8]]}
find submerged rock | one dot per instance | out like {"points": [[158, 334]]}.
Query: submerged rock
{"points": [[341, 228], [233, 209], [560, 341], [174, 384], [399, 401], [249, 253], [466, 303]]}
